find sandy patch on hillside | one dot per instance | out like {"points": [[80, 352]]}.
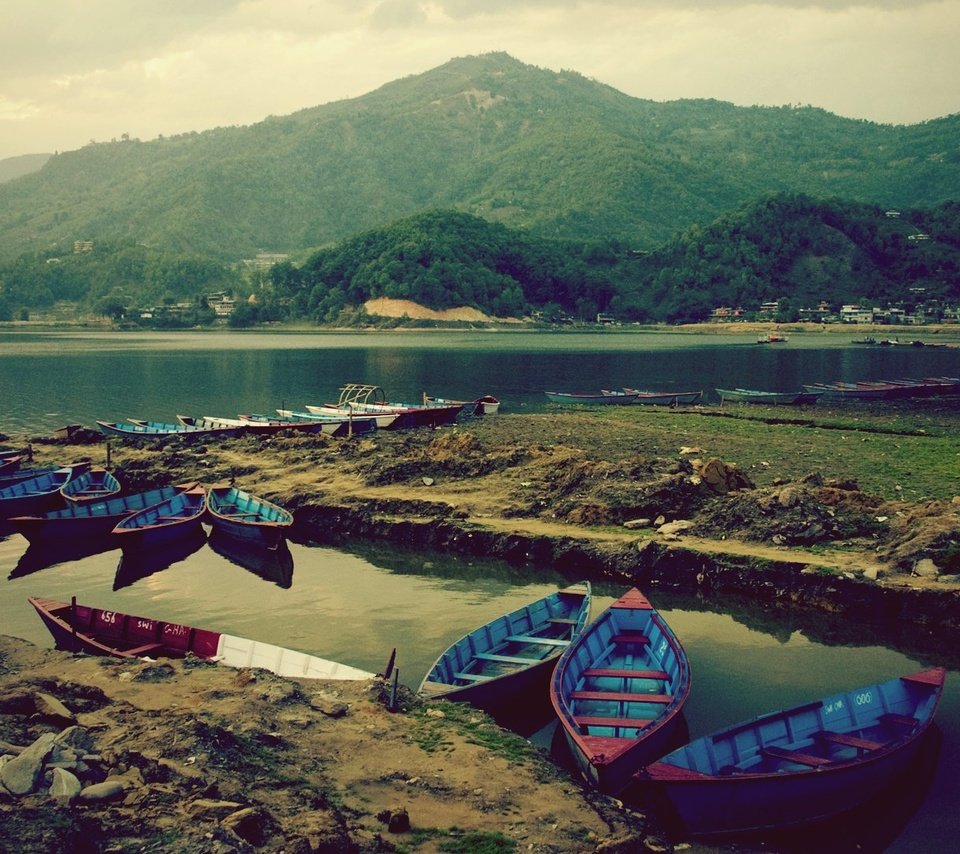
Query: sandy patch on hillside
{"points": [[385, 307]]}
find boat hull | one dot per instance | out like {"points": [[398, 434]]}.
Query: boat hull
{"points": [[238, 515], [616, 399], [164, 523], [511, 656], [618, 692], [798, 766], [38, 494], [81, 628]]}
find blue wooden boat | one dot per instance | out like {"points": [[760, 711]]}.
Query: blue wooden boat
{"points": [[89, 519], [666, 398], [21, 475], [242, 516], [330, 425], [163, 523], [615, 398], [95, 484], [800, 765], [37, 494], [136, 429], [619, 690], [495, 664]]}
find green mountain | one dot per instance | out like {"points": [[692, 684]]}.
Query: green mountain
{"points": [[553, 153]]}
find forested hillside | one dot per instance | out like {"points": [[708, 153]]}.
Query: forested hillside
{"points": [[553, 153]]}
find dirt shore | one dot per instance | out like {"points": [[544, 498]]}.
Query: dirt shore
{"points": [[205, 759]]}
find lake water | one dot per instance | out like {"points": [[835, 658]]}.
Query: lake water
{"points": [[356, 606]]}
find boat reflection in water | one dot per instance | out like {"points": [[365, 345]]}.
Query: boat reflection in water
{"points": [[137, 565], [42, 555], [270, 564]]}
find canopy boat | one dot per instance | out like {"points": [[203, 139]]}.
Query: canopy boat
{"points": [[242, 516], [95, 484], [495, 664], [357, 399], [90, 518], [799, 765], [666, 398], [774, 398], [136, 429], [618, 691], [486, 405], [37, 494], [82, 628], [163, 523], [603, 399]]}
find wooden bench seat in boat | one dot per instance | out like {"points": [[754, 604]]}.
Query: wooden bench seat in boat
{"points": [[898, 720], [862, 744], [145, 648], [627, 674], [643, 640], [472, 677], [503, 659], [589, 720], [535, 639], [562, 621], [797, 756], [620, 697], [172, 518]]}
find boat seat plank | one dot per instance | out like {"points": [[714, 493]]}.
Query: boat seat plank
{"points": [[797, 756], [172, 518], [535, 639], [145, 648], [562, 621], [628, 638], [471, 677], [848, 740], [621, 697], [899, 720], [504, 659], [627, 674], [587, 720]]}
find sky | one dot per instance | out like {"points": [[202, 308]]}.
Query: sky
{"points": [[76, 71]]}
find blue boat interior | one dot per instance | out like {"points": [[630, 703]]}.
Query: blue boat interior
{"points": [[623, 675], [514, 641], [842, 728]]}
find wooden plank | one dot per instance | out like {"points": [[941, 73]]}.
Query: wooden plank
{"points": [[849, 740], [587, 720], [471, 677], [504, 659], [147, 647], [562, 621], [628, 638], [627, 674], [899, 720], [535, 639], [795, 756], [620, 697]]}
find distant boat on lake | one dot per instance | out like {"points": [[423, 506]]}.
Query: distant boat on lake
{"points": [[618, 398]]}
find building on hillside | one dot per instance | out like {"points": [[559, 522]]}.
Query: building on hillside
{"points": [[856, 314], [265, 260], [725, 314], [221, 304]]}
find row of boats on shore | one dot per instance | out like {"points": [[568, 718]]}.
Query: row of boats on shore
{"points": [[617, 686], [808, 394], [360, 409]]}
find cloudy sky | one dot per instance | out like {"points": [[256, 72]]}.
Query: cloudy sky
{"points": [[72, 71]]}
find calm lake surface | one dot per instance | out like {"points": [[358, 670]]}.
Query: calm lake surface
{"points": [[357, 606]]}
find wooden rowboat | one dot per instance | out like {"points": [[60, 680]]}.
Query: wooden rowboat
{"points": [[81, 628], [163, 523], [136, 429], [602, 399], [242, 516], [800, 765], [666, 398], [774, 398], [90, 519], [486, 405], [618, 691], [510, 656], [94, 484]]}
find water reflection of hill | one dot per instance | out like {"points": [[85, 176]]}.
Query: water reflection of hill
{"points": [[135, 566], [43, 555], [275, 565]]}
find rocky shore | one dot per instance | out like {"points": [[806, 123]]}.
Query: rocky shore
{"points": [[102, 755]]}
